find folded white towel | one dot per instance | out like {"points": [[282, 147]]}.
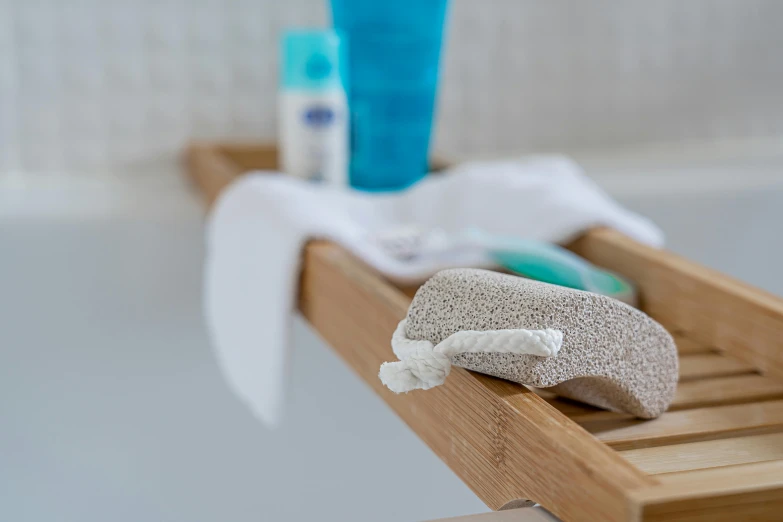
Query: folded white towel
{"points": [[261, 222]]}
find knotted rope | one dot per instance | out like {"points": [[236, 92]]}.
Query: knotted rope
{"points": [[423, 366]]}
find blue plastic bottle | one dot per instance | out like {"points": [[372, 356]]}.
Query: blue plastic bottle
{"points": [[393, 61]]}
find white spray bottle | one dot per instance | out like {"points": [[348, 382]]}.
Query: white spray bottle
{"points": [[313, 107]]}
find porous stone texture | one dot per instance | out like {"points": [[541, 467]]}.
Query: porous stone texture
{"points": [[613, 356]]}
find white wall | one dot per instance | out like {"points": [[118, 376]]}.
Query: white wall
{"points": [[91, 83]]}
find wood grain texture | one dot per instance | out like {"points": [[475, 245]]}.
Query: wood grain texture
{"points": [[708, 454], [702, 366], [690, 425], [686, 345], [506, 442], [709, 307], [726, 390], [690, 394], [502, 440], [724, 494]]}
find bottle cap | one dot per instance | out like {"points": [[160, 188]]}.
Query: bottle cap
{"points": [[313, 60]]}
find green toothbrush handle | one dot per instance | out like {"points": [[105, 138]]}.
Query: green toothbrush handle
{"points": [[553, 264]]}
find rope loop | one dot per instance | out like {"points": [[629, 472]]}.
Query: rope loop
{"points": [[423, 366]]}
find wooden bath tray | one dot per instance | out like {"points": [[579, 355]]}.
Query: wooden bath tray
{"points": [[717, 455]]}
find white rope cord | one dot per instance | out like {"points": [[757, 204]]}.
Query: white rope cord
{"points": [[423, 366]]}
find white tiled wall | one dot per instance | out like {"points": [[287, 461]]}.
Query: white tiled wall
{"points": [[91, 83]]}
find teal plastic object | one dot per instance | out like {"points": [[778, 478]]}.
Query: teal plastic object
{"points": [[393, 61], [553, 264], [313, 61]]}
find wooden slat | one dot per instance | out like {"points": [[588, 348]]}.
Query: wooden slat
{"points": [[713, 308], [250, 156], [764, 506], [502, 440], [726, 390], [507, 443], [490, 432], [686, 345], [690, 394], [209, 170], [724, 494], [213, 167], [707, 454], [585, 413], [702, 366], [690, 425]]}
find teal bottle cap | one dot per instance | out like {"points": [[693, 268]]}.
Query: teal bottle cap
{"points": [[313, 60]]}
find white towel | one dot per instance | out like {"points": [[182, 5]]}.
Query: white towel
{"points": [[261, 222]]}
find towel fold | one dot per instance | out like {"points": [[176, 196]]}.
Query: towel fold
{"points": [[261, 222]]}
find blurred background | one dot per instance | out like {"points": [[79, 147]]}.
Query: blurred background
{"points": [[92, 83], [111, 403]]}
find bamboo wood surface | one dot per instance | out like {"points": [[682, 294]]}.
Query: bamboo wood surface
{"points": [[726, 390], [729, 493], [686, 345], [700, 366], [708, 454], [490, 432], [709, 307], [715, 456], [691, 394], [690, 425], [213, 167]]}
